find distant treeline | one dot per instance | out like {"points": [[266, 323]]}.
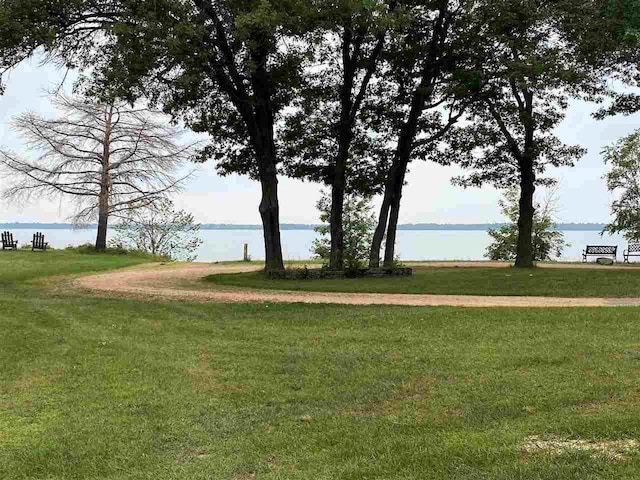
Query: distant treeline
{"points": [[582, 227]]}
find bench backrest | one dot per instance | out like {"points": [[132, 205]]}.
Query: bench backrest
{"points": [[601, 249], [7, 237], [38, 240], [633, 248]]}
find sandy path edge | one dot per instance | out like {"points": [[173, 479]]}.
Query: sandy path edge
{"points": [[164, 281]]}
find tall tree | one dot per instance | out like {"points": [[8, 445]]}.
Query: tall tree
{"points": [[426, 68], [623, 179], [109, 158], [226, 67], [536, 56], [328, 137]]}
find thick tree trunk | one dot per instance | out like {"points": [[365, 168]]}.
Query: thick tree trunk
{"points": [[270, 213], [260, 122], [378, 235], [344, 134], [101, 238], [389, 251], [336, 227], [338, 186], [524, 247]]}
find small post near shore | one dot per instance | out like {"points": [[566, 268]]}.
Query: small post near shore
{"points": [[245, 257]]}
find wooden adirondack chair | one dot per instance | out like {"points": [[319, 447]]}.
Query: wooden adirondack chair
{"points": [[7, 241], [38, 242]]}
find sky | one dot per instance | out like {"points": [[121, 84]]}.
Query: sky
{"points": [[428, 197]]}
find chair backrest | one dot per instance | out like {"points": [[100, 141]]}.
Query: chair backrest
{"points": [[601, 249], [633, 248], [38, 239], [7, 237]]}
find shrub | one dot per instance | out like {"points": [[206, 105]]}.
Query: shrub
{"points": [[548, 243], [358, 224]]}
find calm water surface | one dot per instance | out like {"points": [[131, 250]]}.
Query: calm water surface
{"points": [[296, 244]]}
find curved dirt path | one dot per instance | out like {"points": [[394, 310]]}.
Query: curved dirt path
{"points": [[179, 281]]}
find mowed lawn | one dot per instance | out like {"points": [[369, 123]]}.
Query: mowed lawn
{"points": [[569, 282], [95, 388]]}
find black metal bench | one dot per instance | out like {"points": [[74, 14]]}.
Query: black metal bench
{"points": [[38, 242], [7, 241], [633, 250], [600, 251]]}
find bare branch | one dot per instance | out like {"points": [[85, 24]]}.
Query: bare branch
{"points": [[108, 158]]}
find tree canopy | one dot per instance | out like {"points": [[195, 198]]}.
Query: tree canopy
{"points": [[348, 92], [623, 179], [536, 56]]}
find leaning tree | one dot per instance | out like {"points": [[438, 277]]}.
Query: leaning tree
{"points": [[421, 98], [109, 158]]}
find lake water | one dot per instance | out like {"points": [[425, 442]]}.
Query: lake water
{"points": [[296, 244]]}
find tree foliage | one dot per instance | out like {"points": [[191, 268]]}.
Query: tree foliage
{"points": [[225, 67], [328, 136], [348, 92], [160, 230], [623, 179], [358, 224], [536, 55], [548, 242]]}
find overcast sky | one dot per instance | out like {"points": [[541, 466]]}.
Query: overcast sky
{"points": [[429, 196]]}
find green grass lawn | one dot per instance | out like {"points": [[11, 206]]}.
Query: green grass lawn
{"points": [[23, 265], [94, 388], [466, 281]]}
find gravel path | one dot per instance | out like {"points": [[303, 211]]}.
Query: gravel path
{"points": [[178, 281]]}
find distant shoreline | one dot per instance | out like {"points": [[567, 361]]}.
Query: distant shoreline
{"points": [[565, 227]]}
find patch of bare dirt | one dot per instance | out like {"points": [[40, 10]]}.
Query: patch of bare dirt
{"points": [[613, 450], [172, 282]]}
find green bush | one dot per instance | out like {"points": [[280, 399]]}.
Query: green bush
{"points": [[548, 243], [358, 224]]}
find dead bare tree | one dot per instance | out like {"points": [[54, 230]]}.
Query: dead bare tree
{"points": [[110, 158]]}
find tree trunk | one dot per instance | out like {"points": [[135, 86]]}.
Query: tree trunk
{"points": [[101, 238], [338, 186], [394, 183], [389, 251], [378, 235], [103, 210], [524, 247], [270, 213], [105, 184], [336, 226], [344, 137], [390, 210], [260, 122]]}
